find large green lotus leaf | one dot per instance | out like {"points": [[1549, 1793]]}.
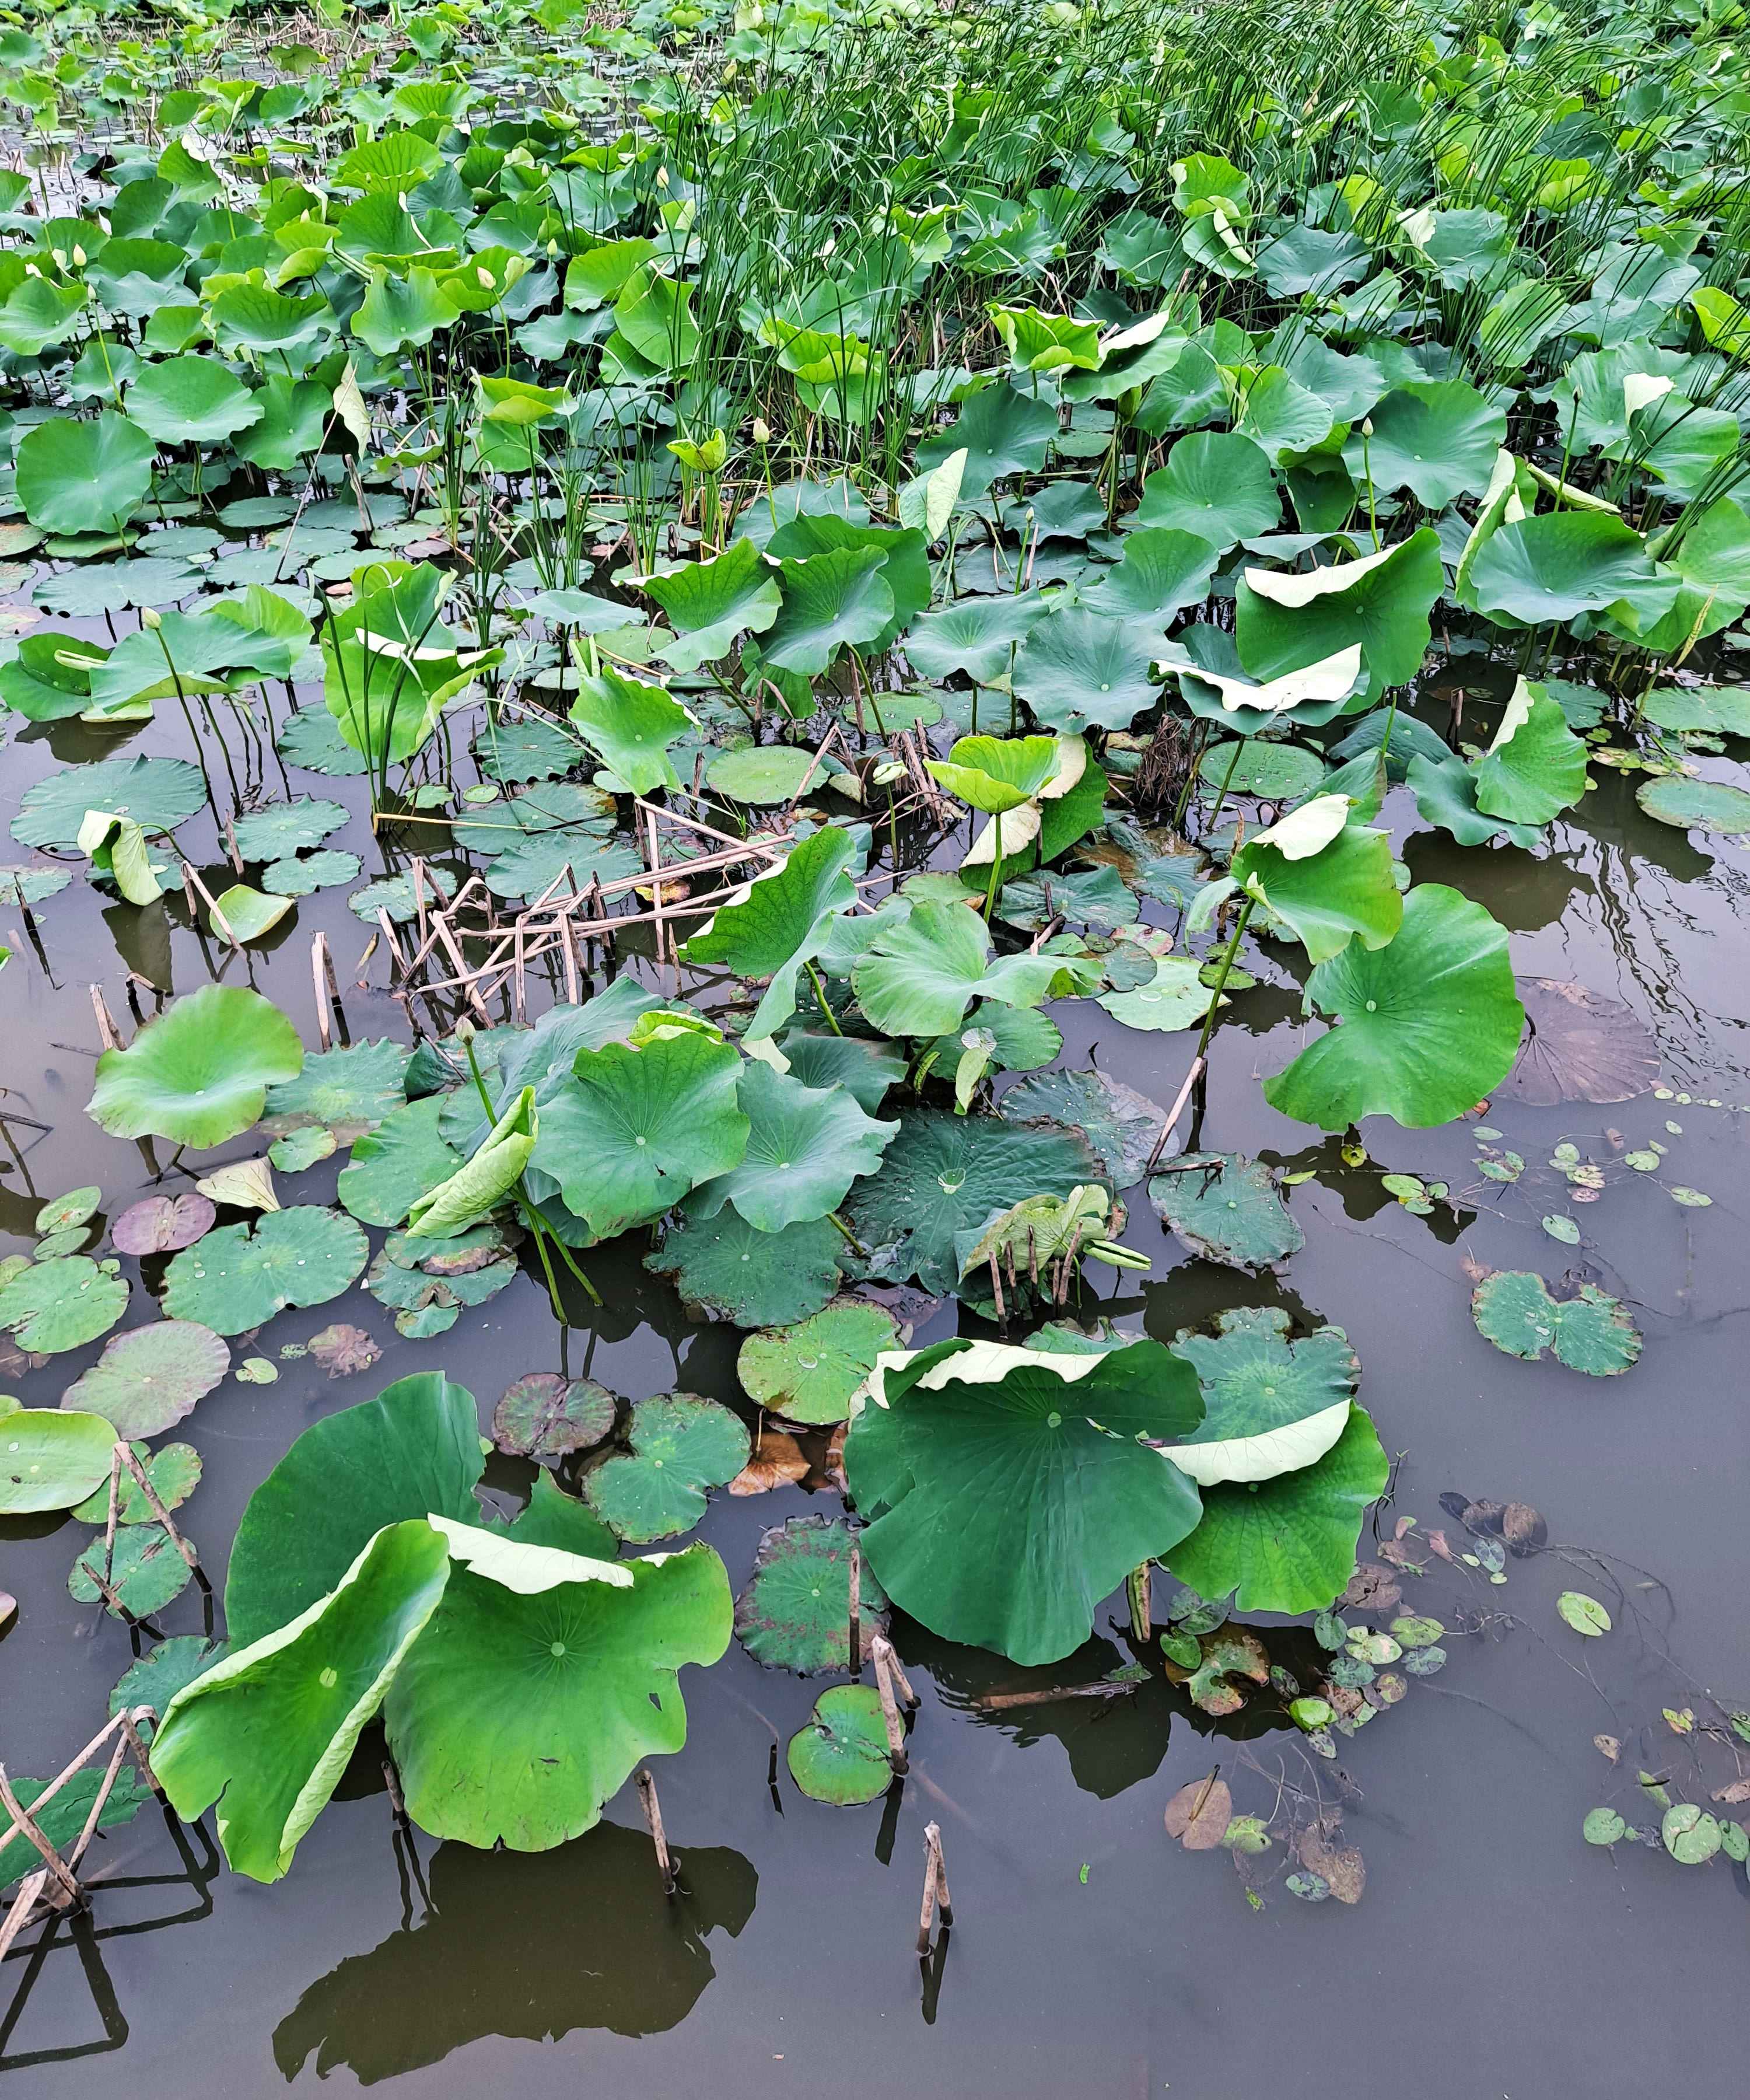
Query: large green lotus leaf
{"points": [[1514, 1309], [296, 415], [531, 748], [764, 774], [1567, 562], [1079, 670], [1430, 1023], [830, 601], [805, 1146], [389, 663], [348, 1090], [1713, 559], [778, 924], [62, 1303], [1227, 1209], [1286, 1545], [710, 603], [726, 1269], [1095, 898], [975, 635], [631, 724], [1438, 441], [310, 737], [636, 1130], [192, 399], [79, 477], [63, 1819], [157, 793], [1217, 485], [1119, 1124], [796, 1611], [944, 1175], [997, 774], [1001, 431], [144, 1572], [401, 312], [681, 1446], [240, 1276], [906, 574], [1033, 1466], [413, 1450], [38, 313], [867, 1070], [199, 1072], [1702, 806], [267, 1731], [405, 1158], [1175, 997], [51, 1458], [925, 970], [1446, 795], [521, 1710], [1213, 685], [1536, 767], [1163, 573], [152, 1376], [1329, 881], [840, 1754], [1270, 1406], [812, 1372], [1284, 621], [1282, 418], [256, 317]]}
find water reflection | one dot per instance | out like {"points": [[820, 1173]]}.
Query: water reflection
{"points": [[528, 1945]]}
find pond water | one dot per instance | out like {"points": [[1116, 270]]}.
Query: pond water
{"points": [[1493, 1952]]}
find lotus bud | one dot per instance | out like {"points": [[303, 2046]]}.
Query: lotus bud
{"points": [[464, 1030], [1366, 426], [662, 179], [78, 256], [762, 432], [487, 280], [148, 618]]}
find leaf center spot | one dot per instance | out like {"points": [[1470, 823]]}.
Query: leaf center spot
{"points": [[1054, 1420], [559, 1647], [1373, 1006], [330, 1678], [637, 1140]]}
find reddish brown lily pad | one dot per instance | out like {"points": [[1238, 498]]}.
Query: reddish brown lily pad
{"points": [[162, 1224]]}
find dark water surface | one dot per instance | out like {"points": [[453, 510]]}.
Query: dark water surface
{"points": [[1494, 1953]]}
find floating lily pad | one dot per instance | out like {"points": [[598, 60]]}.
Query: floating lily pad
{"points": [[681, 1445], [343, 1350], [240, 1276], [162, 1224], [1270, 1406], [1675, 798], [310, 737], [266, 835], [51, 1458], [174, 1472], [726, 1268], [810, 1373], [840, 1756], [158, 1676], [152, 1377], [328, 870], [1119, 1124], [544, 1416], [146, 1574], [1590, 1332], [62, 1303], [1580, 1046], [1226, 1208], [157, 793], [795, 1612], [63, 1819], [76, 1207], [763, 775], [348, 1090], [24, 884], [394, 893], [1271, 772], [1174, 997]]}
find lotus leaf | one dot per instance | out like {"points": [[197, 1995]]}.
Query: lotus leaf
{"points": [[1218, 486], [631, 723], [1327, 880], [79, 477], [925, 970], [401, 1160], [143, 1573], [709, 603], [477, 1190], [1589, 1332], [1536, 766], [1438, 441], [1270, 1406], [1174, 997], [239, 1277], [762, 774], [726, 1268], [794, 1613], [977, 635], [1568, 562], [776, 928], [1117, 1123], [348, 1090], [840, 1754], [1691, 804], [62, 1303], [51, 1458], [681, 1445], [63, 1819], [1430, 1022], [544, 1416], [198, 1075], [157, 793], [1079, 670], [805, 1146], [191, 399], [174, 1472], [1287, 1544], [831, 601], [271, 834], [812, 1373], [1035, 1467], [1285, 622], [1226, 1208], [152, 1376]]}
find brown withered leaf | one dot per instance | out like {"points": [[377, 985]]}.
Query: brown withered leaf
{"points": [[1524, 1530], [1341, 1865], [1610, 1747], [777, 1462], [1371, 1588], [833, 1465], [1199, 1814], [1401, 1556], [342, 1350], [1738, 1790]]}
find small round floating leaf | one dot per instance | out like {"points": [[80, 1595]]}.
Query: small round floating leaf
{"points": [[1270, 772], [62, 1303], [1589, 1332], [1603, 1826], [75, 1208], [544, 1416], [1584, 1614], [266, 835], [146, 1574], [240, 1276], [681, 1445], [840, 1756], [152, 1377], [810, 1373], [1691, 1835], [1580, 1046], [1198, 1816], [162, 1224], [796, 1611], [51, 1459], [175, 1471], [1226, 1208], [198, 1075]]}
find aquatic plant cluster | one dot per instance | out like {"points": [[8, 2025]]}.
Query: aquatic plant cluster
{"points": [[816, 538]]}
